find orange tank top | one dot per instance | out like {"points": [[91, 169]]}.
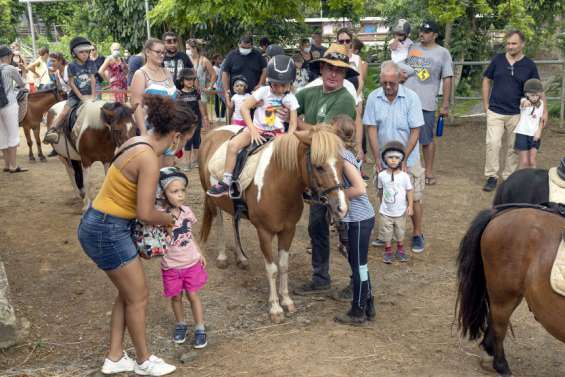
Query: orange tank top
{"points": [[118, 195]]}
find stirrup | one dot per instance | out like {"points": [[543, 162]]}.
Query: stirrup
{"points": [[235, 190]]}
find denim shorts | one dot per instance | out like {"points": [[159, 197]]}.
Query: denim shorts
{"points": [[106, 239], [427, 131]]}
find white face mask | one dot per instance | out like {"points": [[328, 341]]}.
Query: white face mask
{"points": [[189, 53], [244, 51], [307, 49]]}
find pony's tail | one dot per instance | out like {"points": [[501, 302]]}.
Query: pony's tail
{"points": [[209, 214], [472, 297]]}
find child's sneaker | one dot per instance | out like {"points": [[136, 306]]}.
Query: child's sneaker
{"points": [[218, 190], [179, 337], [125, 364], [401, 256], [388, 258], [200, 339], [153, 367]]}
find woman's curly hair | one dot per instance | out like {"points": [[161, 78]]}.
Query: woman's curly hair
{"points": [[167, 115]]}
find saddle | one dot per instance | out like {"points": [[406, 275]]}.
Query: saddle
{"points": [[557, 183], [68, 125]]}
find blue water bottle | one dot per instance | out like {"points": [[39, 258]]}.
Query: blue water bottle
{"points": [[439, 127]]}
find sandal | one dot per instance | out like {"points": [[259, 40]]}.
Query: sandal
{"points": [[430, 181], [5, 170], [18, 170]]}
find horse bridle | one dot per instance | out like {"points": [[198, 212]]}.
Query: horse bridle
{"points": [[315, 195]]}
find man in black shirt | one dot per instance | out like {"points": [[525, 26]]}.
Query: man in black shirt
{"points": [[316, 45], [245, 61], [174, 60], [508, 72], [98, 61]]}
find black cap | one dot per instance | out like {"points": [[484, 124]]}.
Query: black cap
{"points": [[4, 51], [246, 39], [429, 26]]}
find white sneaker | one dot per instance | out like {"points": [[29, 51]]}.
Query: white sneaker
{"points": [[153, 367], [125, 364]]}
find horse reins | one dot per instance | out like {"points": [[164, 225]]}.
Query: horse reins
{"points": [[317, 196]]}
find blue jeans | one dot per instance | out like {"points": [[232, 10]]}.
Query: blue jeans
{"points": [[319, 231], [359, 235], [106, 239]]}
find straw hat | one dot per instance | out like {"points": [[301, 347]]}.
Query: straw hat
{"points": [[335, 55]]}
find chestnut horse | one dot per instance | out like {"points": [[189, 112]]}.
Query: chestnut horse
{"points": [[288, 165], [505, 256], [104, 126], [38, 103]]}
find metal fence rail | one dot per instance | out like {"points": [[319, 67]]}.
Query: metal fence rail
{"points": [[561, 96]]}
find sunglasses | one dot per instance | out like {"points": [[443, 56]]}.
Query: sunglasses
{"points": [[158, 52], [171, 40], [344, 41]]}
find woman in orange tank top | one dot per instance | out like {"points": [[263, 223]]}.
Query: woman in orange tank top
{"points": [[128, 192]]}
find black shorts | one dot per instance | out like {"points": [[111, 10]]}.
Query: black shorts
{"points": [[194, 142], [525, 143]]}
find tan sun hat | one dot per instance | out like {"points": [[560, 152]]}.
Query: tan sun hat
{"points": [[335, 55]]}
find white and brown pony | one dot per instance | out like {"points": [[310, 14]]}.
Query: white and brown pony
{"points": [[38, 103], [288, 165], [100, 128]]}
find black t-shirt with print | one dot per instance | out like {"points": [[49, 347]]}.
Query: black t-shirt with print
{"points": [[249, 66], [174, 64], [97, 64], [508, 83], [191, 99]]}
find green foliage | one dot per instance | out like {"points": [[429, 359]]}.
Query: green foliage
{"points": [[352, 9], [7, 34]]}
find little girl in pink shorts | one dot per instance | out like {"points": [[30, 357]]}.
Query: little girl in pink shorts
{"points": [[182, 266]]}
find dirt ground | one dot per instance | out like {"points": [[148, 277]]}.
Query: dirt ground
{"points": [[64, 301]]}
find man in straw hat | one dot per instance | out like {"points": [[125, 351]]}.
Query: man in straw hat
{"points": [[319, 104]]}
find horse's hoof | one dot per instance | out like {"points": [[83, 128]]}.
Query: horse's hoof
{"points": [[277, 317], [290, 308], [243, 264], [222, 264], [32, 158], [42, 158]]}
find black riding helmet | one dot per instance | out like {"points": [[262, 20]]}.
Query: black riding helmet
{"points": [[78, 41], [281, 70], [401, 27], [187, 74], [242, 79], [274, 50], [166, 176], [393, 146]]}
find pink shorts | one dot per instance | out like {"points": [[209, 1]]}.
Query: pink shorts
{"points": [[190, 279], [239, 122]]}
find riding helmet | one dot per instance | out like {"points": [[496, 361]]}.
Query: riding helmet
{"points": [[187, 74], [401, 27], [78, 41], [166, 176], [391, 146], [533, 86], [240, 78], [281, 70], [274, 50]]}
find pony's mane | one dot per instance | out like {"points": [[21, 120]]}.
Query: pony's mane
{"points": [[326, 145], [120, 110]]}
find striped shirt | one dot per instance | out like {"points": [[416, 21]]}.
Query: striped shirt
{"points": [[11, 79], [360, 208]]}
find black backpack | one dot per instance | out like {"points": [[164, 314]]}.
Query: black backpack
{"points": [[3, 96]]}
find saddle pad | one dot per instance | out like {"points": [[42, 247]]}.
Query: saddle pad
{"points": [[88, 115], [556, 187], [557, 277], [218, 160]]}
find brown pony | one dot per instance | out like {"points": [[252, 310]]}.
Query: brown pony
{"points": [[107, 127], [274, 198], [38, 103], [505, 256]]}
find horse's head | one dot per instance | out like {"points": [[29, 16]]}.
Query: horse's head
{"points": [[324, 167], [118, 117]]}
